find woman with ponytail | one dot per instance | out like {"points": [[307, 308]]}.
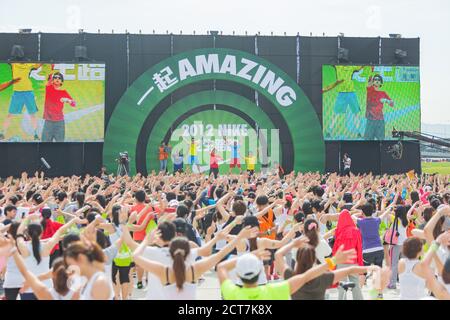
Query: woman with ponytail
{"points": [[312, 232], [305, 260], [13, 278], [88, 259], [60, 278], [49, 228], [36, 252], [179, 280]]}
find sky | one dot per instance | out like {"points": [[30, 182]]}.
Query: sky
{"points": [[359, 18]]}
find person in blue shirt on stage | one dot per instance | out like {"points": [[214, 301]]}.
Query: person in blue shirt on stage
{"points": [[235, 155]]}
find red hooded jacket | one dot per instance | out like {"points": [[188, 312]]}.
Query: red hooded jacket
{"points": [[348, 234]]}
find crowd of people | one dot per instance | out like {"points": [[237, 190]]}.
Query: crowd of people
{"points": [[262, 235]]}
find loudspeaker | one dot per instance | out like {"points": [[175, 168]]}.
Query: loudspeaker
{"points": [[80, 52], [343, 54], [17, 51], [400, 55]]}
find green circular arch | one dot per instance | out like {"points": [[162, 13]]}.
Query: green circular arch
{"points": [[143, 96], [169, 116]]}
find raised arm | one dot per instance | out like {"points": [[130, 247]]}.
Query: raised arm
{"points": [[224, 267], [56, 237], [280, 262], [428, 230], [259, 214], [221, 209], [341, 256], [126, 237], [206, 250], [439, 291], [39, 288], [156, 268], [142, 226], [274, 244], [205, 264], [345, 272]]}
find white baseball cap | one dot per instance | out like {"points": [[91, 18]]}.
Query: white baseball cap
{"points": [[173, 203], [248, 266]]}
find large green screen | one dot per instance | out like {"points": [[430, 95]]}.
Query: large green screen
{"points": [[368, 102], [59, 102]]}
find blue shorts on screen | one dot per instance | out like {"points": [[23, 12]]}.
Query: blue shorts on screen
{"points": [[21, 98], [345, 99]]}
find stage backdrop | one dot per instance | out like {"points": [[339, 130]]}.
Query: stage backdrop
{"points": [[128, 57], [299, 122]]}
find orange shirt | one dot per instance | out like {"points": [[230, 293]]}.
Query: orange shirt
{"points": [[266, 222], [140, 235], [163, 155]]}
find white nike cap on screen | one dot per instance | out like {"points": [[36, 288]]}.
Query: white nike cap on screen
{"points": [[248, 266]]}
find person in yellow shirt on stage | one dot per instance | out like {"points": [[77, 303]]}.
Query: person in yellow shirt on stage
{"points": [[22, 95], [250, 162], [193, 159], [346, 99]]}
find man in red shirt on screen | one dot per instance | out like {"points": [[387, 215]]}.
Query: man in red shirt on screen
{"points": [[55, 97], [374, 109]]}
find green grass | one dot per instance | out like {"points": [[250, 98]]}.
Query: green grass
{"points": [[436, 167]]}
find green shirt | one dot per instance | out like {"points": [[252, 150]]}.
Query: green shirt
{"points": [[271, 291], [124, 257]]}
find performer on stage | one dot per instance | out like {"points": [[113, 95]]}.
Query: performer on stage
{"points": [[177, 158], [235, 155], [214, 163], [347, 164], [163, 154], [250, 161], [193, 159]]}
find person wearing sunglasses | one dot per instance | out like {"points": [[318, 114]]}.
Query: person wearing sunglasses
{"points": [[55, 97]]}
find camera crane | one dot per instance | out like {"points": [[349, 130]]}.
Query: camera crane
{"points": [[435, 142], [421, 137]]}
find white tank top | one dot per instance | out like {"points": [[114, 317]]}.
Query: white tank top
{"points": [[402, 233], [57, 296], [412, 287], [86, 292], [38, 268], [189, 292], [13, 277], [221, 243]]}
